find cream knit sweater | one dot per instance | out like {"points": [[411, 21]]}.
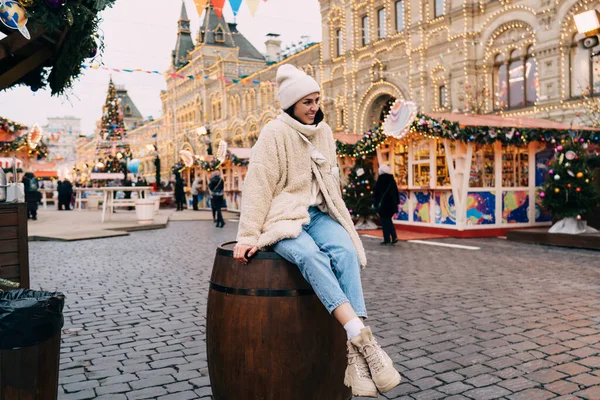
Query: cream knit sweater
{"points": [[277, 188]]}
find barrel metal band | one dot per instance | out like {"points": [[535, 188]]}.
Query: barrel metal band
{"points": [[262, 292]]}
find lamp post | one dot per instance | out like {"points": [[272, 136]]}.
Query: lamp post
{"points": [[588, 24]]}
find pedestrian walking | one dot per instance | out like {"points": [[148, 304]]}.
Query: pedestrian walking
{"points": [[196, 188], [292, 202], [386, 200], [32, 195], [216, 188], [179, 192], [65, 195]]}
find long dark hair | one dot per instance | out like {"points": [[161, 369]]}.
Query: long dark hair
{"points": [[319, 116]]}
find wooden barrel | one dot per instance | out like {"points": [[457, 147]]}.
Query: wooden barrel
{"points": [[268, 336], [31, 372]]}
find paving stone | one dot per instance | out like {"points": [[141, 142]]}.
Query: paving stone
{"points": [[487, 393], [455, 388], [562, 387], [532, 394], [482, 380], [589, 393]]}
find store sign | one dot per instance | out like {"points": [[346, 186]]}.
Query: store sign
{"points": [[402, 114]]}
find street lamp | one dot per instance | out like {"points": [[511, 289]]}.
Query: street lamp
{"points": [[588, 24]]}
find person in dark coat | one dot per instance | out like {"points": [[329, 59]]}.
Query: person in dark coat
{"points": [[65, 195], [179, 192], [386, 197], [32, 195], [216, 188]]}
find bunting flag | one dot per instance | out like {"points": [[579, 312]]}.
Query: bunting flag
{"points": [[235, 6], [218, 6], [200, 4], [252, 6], [245, 81]]}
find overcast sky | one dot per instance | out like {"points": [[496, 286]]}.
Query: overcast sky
{"points": [[141, 34]]}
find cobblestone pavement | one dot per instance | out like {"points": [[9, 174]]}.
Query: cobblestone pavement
{"points": [[507, 321]]}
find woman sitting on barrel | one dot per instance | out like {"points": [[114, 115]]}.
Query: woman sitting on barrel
{"points": [[293, 203]]}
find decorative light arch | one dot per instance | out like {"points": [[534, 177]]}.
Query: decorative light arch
{"points": [[366, 102]]}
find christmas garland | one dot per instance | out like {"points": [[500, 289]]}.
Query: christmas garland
{"points": [[366, 145], [445, 129], [20, 143], [238, 161], [9, 126], [82, 40]]}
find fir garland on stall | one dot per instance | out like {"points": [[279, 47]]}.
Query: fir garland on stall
{"points": [[365, 146], [11, 127], [8, 148], [445, 129]]}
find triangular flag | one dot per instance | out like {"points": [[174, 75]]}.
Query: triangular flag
{"points": [[235, 6], [252, 6], [200, 4], [218, 6]]}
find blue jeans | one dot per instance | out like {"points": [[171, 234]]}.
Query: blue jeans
{"points": [[327, 259]]}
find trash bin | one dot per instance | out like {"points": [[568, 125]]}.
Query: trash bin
{"points": [[92, 202], [30, 326], [144, 209]]}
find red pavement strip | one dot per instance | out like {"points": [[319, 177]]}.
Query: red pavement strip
{"points": [[403, 235]]}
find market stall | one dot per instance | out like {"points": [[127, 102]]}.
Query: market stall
{"points": [[473, 172]]}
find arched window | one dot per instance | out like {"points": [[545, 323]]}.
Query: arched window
{"points": [[366, 28], [516, 78], [580, 65], [339, 44], [531, 79], [438, 8], [381, 23], [500, 83], [399, 15], [442, 97], [252, 134], [219, 35]]}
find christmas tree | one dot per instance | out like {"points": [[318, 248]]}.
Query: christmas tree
{"points": [[569, 191], [358, 194], [111, 151]]}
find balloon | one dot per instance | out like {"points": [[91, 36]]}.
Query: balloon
{"points": [[134, 166]]}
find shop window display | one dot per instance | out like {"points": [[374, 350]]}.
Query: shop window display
{"points": [[482, 167], [421, 163], [401, 163], [441, 167], [515, 166]]}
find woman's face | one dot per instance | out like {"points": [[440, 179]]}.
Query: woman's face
{"points": [[306, 109]]}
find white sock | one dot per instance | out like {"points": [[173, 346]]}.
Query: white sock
{"points": [[353, 327]]}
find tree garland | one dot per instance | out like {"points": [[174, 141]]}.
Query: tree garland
{"points": [[82, 40]]}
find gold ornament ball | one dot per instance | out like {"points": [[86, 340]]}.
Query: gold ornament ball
{"points": [[556, 190], [27, 3], [580, 174]]}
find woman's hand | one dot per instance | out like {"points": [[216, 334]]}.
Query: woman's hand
{"points": [[240, 250]]}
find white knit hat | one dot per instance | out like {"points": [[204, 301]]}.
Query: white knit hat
{"points": [[294, 85]]}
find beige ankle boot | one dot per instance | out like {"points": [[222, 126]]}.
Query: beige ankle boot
{"points": [[357, 374], [382, 369]]}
